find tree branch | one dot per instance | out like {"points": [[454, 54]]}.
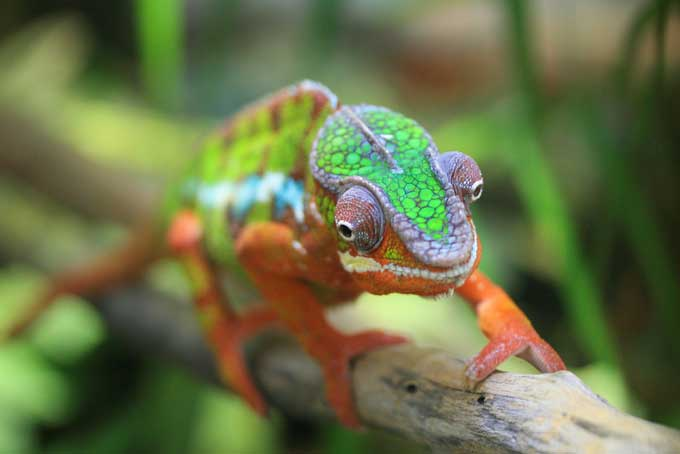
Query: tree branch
{"points": [[418, 393], [29, 154]]}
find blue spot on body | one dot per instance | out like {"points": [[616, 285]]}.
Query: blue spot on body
{"points": [[283, 192], [246, 194], [290, 196]]}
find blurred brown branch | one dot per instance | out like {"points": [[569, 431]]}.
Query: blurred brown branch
{"points": [[415, 392], [29, 154]]}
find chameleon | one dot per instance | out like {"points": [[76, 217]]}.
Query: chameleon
{"points": [[300, 202]]}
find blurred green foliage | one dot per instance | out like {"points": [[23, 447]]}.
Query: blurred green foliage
{"points": [[160, 30], [546, 207], [577, 220]]}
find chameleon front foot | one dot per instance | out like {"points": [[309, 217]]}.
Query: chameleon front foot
{"points": [[336, 364], [228, 337], [509, 331], [525, 344]]}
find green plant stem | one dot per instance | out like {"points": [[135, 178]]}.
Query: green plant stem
{"points": [[547, 209], [662, 7], [160, 39], [636, 215], [632, 42], [638, 221]]}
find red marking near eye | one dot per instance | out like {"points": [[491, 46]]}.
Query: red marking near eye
{"points": [[320, 101]]}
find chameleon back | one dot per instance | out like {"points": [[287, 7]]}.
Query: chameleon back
{"points": [[256, 167]]}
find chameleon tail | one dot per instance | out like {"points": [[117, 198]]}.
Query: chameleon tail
{"points": [[122, 265]]}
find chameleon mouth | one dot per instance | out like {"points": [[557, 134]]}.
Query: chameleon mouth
{"points": [[455, 275]]}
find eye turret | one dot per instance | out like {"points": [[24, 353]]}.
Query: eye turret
{"points": [[465, 175], [359, 219]]}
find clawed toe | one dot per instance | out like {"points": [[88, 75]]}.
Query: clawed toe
{"points": [[542, 356], [227, 338], [371, 340], [529, 347]]}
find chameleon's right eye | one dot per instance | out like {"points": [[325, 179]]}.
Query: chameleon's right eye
{"points": [[465, 175], [359, 219]]}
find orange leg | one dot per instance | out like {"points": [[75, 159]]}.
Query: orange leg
{"points": [[224, 329], [279, 271], [507, 328]]}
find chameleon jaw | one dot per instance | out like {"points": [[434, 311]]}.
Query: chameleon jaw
{"points": [[455, 275]]}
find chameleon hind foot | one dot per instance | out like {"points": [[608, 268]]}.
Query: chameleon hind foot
{"points": [[228, 337], [336, 364]]}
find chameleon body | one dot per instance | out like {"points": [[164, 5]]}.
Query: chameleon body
{"points": [[304, 203]]}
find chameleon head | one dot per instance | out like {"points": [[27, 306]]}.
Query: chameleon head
{"points": [[399, 209]]}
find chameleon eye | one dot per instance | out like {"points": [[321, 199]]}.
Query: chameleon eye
{"points": [[465, 175], [345, 231], [359, 219], [476, 190]]}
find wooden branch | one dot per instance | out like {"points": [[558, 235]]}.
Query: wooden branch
{"points": [[29, 154], [418, 393]]}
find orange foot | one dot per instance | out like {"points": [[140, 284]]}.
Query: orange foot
{"points": [[229, 337], [525, 343], [336, 367]]}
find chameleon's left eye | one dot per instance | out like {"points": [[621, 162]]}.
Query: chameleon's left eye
{"points": [[465, 175], [359, 219]]}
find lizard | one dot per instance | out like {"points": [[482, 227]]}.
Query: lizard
{"points": [[304, 203]]}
